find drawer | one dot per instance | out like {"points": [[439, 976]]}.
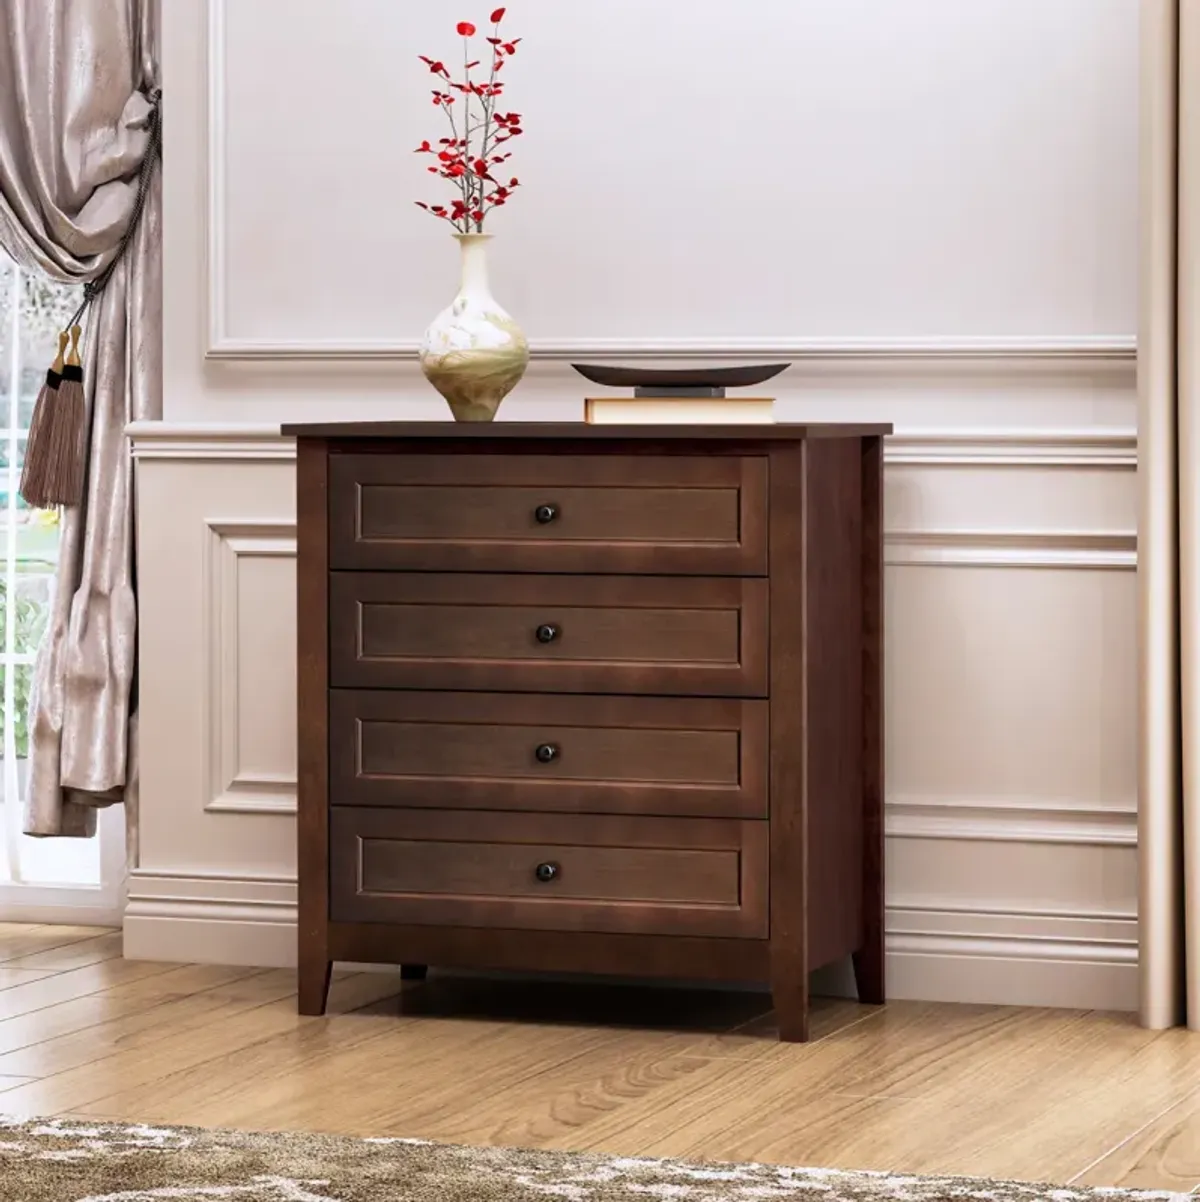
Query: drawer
{"points": [[697, 515], [573, 872], [581, 634], [603, 755]]}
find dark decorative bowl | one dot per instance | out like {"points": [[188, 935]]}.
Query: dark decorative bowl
{"points": [[710, 381]]}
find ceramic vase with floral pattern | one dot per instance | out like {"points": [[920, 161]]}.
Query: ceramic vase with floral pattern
{"points": [[474, 354]]}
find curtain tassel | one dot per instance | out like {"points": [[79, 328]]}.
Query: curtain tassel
{"points": [[53, 471]]}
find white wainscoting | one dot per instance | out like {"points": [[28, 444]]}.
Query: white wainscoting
{"points": [[1010, 632], [948, 242]]}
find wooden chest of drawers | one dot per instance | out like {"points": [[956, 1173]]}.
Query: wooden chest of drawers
{"points": [[591, 699]]}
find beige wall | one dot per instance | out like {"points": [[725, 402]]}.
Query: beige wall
{"points": [[953, 249]]}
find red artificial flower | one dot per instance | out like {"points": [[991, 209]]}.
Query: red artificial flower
{"points": [[453, 162]]}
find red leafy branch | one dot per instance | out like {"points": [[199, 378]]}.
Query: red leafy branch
{"points": [[470, 156]]}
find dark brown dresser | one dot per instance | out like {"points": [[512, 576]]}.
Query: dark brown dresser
{"points": [[592, 698]]}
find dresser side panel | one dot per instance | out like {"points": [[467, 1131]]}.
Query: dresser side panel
{"points": [[787, 802], [312, 681], [834, 708]]}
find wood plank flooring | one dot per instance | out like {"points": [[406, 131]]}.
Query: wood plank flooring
{"points": [[1048, 1095]]}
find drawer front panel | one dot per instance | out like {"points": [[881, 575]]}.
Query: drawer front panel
{"points": [[603, 634], [542, 513], [614, 755], [550, 872]]}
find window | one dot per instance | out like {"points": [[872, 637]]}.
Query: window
{"points": [[42, 879]]}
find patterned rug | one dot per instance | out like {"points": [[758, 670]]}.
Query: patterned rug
{"points": [[60, 1161]]}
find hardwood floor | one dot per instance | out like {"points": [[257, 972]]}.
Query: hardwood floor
{"points": [[1052, 1095]]}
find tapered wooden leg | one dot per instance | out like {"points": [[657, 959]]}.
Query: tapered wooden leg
{"points": [[789, 994], [314, 985], [414, 972], [868, 971]]}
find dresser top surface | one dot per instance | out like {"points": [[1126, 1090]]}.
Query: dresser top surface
{"points": [[503, 431]]}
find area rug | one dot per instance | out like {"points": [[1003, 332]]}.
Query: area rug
{"points": [[60, 1161]]}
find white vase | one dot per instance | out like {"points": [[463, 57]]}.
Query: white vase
{"points": [[474, 354]]}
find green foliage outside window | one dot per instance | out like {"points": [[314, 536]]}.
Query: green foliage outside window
{"points": [[31, 620]]}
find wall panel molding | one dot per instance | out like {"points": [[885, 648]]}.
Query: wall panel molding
{"points": [[228, 788], [1010, 549], [225, 149], [1014, 448], [1010, 821], [191, 442], [1060, 356], [186, 442]]}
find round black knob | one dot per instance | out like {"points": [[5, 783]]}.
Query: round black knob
{"points": [[547, 633], [545, 514], [546, 872], [546, 753]]}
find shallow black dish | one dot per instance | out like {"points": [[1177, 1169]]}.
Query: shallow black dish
{"points": [[677, 381]]}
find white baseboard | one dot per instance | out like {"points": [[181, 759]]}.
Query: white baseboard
{"points": [[194, 919], [1018, 959]]}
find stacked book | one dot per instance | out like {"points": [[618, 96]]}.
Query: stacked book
{"points": [[665, 410]]}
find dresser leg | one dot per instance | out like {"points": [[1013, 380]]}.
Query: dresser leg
{"points": [[868, 970], [790, 998], [414, 972], [314, 985]]}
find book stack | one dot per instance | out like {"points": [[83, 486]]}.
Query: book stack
{"points": [[666, 410]]}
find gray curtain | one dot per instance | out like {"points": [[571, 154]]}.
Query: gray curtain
{"points": [[74, 80]]}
